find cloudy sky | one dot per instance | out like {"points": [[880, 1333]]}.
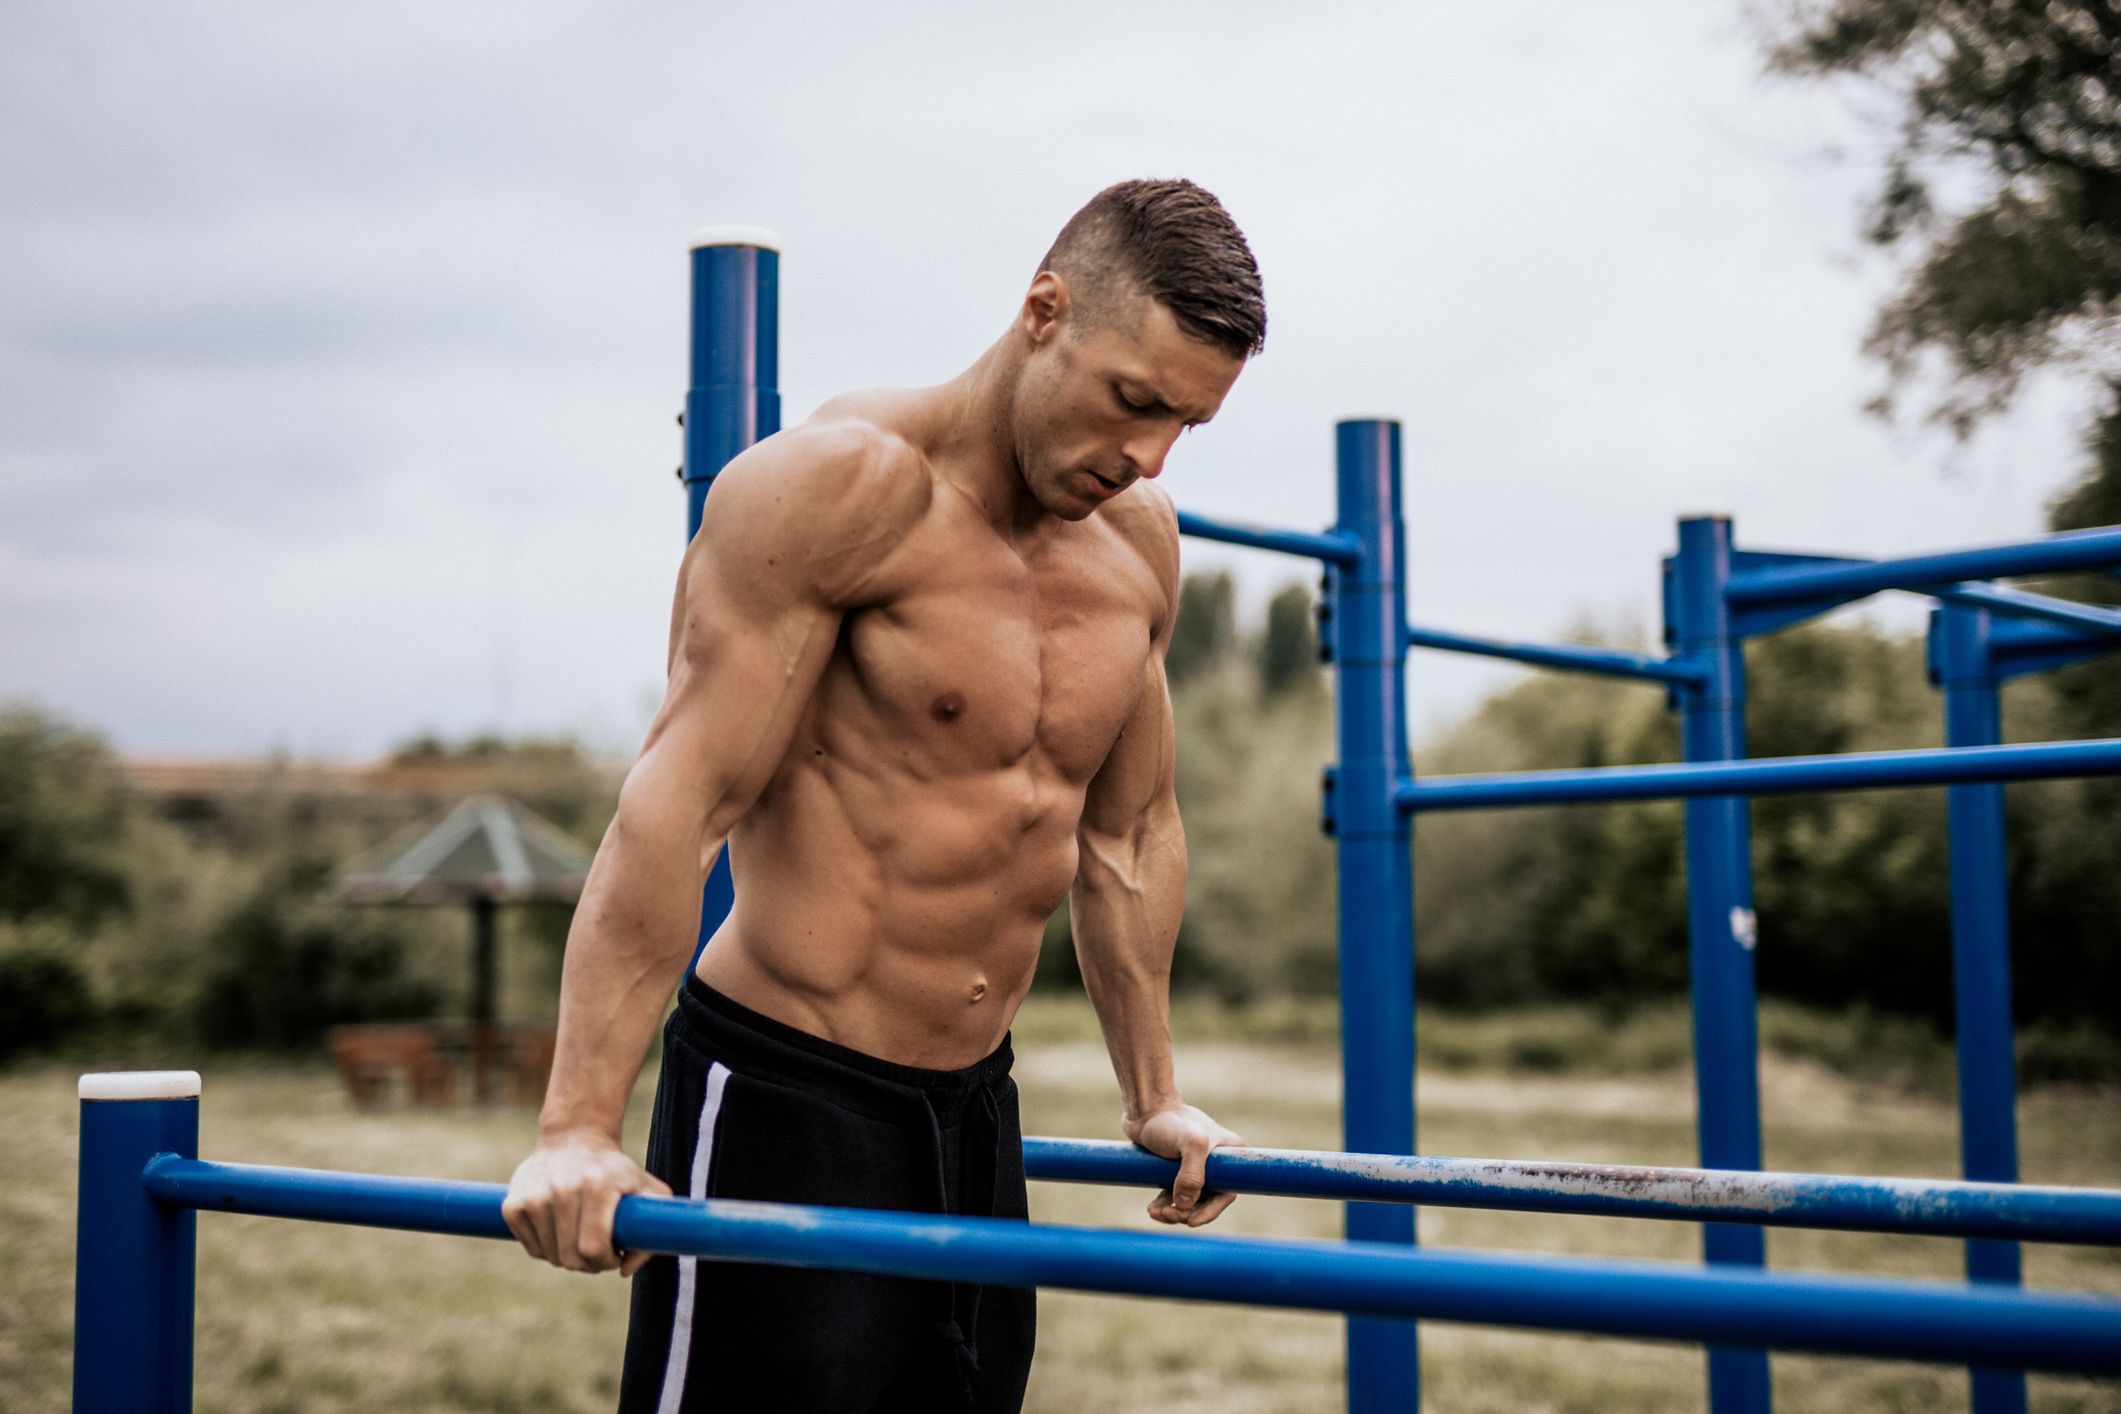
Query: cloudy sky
{"points": [[340, 346]]}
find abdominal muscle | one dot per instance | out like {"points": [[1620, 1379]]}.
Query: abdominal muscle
{"points": [[899, 917]]}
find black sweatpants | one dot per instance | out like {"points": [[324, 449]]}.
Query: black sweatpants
{"points": [[748, 1107]]}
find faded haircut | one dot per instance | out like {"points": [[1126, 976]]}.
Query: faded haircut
{"points": [[1169, 240]]}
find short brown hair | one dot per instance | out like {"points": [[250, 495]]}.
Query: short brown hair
{"points": [[1172, 241]]}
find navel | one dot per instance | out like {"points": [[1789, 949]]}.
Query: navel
{"points": [[979, 991], [947, 708]]}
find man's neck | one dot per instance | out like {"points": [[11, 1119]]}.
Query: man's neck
{"points": [[976, 447]]}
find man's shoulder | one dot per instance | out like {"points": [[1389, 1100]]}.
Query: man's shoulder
{"points": [[840, 465], [1145, 517]]}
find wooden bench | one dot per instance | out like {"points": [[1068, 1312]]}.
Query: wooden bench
{"points": [[371, 1056]]}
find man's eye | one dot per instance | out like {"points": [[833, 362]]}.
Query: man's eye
{"points": [[1129, 404]]}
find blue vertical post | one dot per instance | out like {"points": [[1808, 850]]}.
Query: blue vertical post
{"points": [[1961, 664], [1720, 925], [734, 400], [1368, 611], [133, 1257]]}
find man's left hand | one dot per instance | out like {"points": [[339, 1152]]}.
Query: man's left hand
{"points": [[1184, 1133]]}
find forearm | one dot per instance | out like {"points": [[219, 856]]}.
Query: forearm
{"points": [[1125, 907], [633, 930]]}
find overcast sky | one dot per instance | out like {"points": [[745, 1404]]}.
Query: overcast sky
{"points": [[340, 346]]}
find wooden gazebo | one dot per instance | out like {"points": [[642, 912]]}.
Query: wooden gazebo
{"points": [[488, 851]]}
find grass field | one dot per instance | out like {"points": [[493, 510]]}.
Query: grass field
{"points": [[304, 1317]]}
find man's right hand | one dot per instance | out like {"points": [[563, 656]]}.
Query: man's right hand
{"points": [[562, 1200]]}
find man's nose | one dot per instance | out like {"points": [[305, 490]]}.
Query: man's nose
{"points": [[1147, 452]]}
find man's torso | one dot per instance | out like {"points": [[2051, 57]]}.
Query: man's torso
{"points": [[895, 877]]}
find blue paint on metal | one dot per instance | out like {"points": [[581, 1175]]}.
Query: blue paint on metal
{"points": [[1752, 620], [1780, 775], [2070, 550], [1843, 1315], [2016, 647], [2017, 603], [1373, 839], [1981, 956], [1935, 1207], [133, 1262], [1333, 547], [1720, 923], [734, 400], [1568, 657]]}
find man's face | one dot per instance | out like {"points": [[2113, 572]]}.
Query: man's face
{"points": [[1098, 411]]}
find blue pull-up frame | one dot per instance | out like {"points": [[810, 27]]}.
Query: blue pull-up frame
{"points": [[1716, 597]]}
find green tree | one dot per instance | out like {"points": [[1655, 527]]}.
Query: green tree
{"points": [[65, 818], [1288, 649], [2022, 99], [2013, 107], [1205, 635]]}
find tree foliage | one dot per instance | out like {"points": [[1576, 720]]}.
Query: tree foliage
{"points": [[1205, 635], [2021, 100], [1288, 648]]}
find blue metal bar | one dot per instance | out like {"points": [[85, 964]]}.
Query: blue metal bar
{"points": [[1844, 1315], [1335, 547], [2070, 550], [2017, 646], [2040, 607], [1781, 775], [1934, 1207], [1366, 599], [133, 1258], [1720, 924], [734, 401], [1569, 657], [1981, 956]]}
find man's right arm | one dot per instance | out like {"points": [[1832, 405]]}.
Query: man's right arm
{"points": [[796, 532]]}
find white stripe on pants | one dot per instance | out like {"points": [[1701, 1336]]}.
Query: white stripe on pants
{"points": [[689, 1267]]}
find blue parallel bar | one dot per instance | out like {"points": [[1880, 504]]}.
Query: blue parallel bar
{"points": [[1981, 956], [1842, 1315], [1569, 657], [1373, 847], [133, 1257], [1720, 923], [1934, 1207], [1334, 547], [2039, 607], [734, 400], [2070, 550], [1782, 775]]}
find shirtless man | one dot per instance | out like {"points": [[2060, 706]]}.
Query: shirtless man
{"points": [[916, 685]]}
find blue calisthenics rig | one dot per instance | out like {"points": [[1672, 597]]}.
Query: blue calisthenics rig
{"points": [[142, 1180]]}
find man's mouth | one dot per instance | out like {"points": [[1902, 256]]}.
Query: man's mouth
{"points": [[1106, 482]]}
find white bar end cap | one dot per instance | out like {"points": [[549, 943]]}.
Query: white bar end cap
{"points": [[141, 1085], [757, 236]]}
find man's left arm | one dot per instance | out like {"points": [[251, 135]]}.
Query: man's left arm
{"points": [[1125, 905]]}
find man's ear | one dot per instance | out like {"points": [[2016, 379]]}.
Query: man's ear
{"points": [[1046, 307]]}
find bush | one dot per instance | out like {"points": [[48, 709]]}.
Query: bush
{"points": [[282, 975], [44, 998]]}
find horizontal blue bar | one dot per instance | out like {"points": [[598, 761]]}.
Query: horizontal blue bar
{"points": [[1937, 1207], [1772, 776], [2071, 550], [1329, 546], [1569, 657], [2019, 604], [1845, 1315]]}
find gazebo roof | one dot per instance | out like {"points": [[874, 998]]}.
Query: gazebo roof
{"points": [[488, 847]]}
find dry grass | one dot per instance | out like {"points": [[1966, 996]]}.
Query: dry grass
{"points": [[303, 1317]]}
